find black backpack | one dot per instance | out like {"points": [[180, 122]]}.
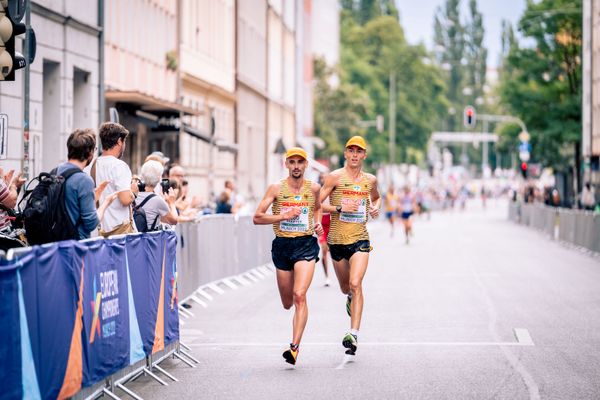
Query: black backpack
{"points": [[139, 216], [45, 216]]}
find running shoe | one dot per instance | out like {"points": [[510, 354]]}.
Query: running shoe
{"points": [[327, 282], [350, 342], [348, 303], [290, 355]]}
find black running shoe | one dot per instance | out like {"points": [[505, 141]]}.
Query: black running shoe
{"points": [[290, 355]]}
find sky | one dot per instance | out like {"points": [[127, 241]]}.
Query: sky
{"points": [[416, 17]]}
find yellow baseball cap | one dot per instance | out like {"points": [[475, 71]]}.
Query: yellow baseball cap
{"points": [[357, 141], [296, 151]]}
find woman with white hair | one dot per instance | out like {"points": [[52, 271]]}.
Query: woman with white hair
{"points": [[157, 207]]}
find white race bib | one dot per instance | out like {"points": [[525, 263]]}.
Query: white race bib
{"points": [[356, 217], [296, 224]]}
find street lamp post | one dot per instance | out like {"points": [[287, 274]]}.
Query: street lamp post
{"points": [[392, 124]]}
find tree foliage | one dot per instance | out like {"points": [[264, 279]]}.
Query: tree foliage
{"points": [[372, 47], [541, 78]]}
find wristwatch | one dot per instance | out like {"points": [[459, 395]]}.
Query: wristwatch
{"points": [[338, 209]]}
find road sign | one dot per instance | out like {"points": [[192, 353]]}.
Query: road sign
{"points": [[3, 136], [524, 147]]}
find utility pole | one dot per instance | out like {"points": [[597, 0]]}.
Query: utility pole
{"points": [[484, 151], [392, 124], [26, 90]]}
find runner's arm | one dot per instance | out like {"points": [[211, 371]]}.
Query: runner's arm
{"points": [[318, 212], [330, 183], [375, 198], [262, 218]]}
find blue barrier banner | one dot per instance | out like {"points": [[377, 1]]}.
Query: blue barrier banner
{"points": [[106, 311], [146, 284], [171, 294], [52, 289], [81, 311], [10, 339]]}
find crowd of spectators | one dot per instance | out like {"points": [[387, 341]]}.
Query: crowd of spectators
{"points": [[103, 197]]}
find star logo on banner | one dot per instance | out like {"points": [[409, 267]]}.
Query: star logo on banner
{"points": [[96, 313]]}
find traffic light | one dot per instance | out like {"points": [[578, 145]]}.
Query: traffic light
{"points": [[524, 167], [11, 13], [469, 117]]}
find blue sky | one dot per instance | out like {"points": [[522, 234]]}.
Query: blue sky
{"points": [[416, 17]]}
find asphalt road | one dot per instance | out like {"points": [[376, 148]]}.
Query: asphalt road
{"points": [[476, 307]]}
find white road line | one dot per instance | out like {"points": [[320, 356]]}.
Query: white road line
{"points": [[523, 337], [367, 344], [215, 288], [250, 277], [242, 281], [515, 362], [257, 273], [204, 294], [229, 283]]}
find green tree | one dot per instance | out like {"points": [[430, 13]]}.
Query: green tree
{"points": [[338, 110], [476, 54], [541, 80], [449, 39]]}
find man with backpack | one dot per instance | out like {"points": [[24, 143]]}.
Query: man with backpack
{"points": [[80, 196], [63, 204], [152, 209]]}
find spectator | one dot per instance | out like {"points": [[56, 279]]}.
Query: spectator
{"points": [[159, 208], [158, 156], [588, 200], [178, 173], [235, 199], [9, 186], [109, 167], [223, 204], [80, 197]]}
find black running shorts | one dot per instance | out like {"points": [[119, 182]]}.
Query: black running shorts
{"points": [[345, 251], [288, 251]]}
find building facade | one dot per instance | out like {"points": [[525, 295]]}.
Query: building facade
{"points": [[251, 82], [591, 91], [207, 56], [64, 86], [141, 76]]}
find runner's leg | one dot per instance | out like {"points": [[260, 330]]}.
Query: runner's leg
{"points": [[342, 271], [358, 267], [285, 283], [303, 274]]}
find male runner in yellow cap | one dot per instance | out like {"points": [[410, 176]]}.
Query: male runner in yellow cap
{"points": [[353, 195], [296, 217]]}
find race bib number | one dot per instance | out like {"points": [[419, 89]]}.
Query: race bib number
{"points": [[356, 217], [296, 224]]}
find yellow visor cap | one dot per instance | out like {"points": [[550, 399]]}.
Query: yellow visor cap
{"points": [[296, 151], [357, 141]]}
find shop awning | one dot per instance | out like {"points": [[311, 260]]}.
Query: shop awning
{"points": [[147, 102], [221, 145]]}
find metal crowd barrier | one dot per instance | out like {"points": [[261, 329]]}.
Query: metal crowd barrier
{"points": [[219, 246], [581, 228], [149, 365]]}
